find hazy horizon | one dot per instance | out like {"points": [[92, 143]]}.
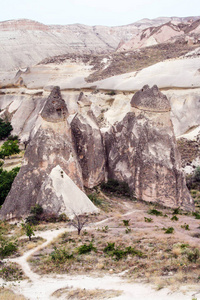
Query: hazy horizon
{"points": [[91, 12], [96, 24]]}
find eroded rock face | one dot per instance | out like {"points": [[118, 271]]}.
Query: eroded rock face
{"points": [[90, 148], [51, 146], [60, 158], [142, 151]]}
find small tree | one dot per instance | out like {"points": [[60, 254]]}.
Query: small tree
{"points": [[79, 221], [28, 230]]}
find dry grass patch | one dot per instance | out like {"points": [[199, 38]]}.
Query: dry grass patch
{"points": [[84, 294], [11, 271], [24, 244], [6, 294]]}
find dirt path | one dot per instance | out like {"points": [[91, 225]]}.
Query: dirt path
{"points": [[42, 287]]}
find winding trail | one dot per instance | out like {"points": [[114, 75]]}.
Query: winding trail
{"points": [[43, 286]]}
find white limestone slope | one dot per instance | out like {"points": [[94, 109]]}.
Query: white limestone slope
{"points": [[176, 73], [67, 193]]}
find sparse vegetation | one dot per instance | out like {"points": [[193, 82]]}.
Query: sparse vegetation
{"points": [[60, 255], [85, 294], [155, 212], [128, 230], [145, 253], [126, 222], [193, 255], [169, 230], [174, 218], [176, 211], [95, 199], [116, 187], [148, 220], [7, 248], [84, 249], [11, 272], [185, 226]]}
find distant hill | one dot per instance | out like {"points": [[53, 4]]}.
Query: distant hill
{"points": [[26, 42]]}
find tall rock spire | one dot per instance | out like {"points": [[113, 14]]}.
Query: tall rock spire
{"points": [[49, 157], [142, 151]]}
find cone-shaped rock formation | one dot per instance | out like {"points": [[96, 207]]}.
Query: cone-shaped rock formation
{"points": [[51, 146], [142, 151]]}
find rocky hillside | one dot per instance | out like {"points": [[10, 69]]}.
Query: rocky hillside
{"points": [[26, 42], [172, 31]]}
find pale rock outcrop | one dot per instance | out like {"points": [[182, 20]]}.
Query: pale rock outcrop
{"points": [[51, 146], [62, 195], [141, 150], [89, 148]]}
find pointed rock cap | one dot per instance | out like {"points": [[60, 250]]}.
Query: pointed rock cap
{"points": [[150, 99], [55, 109]]}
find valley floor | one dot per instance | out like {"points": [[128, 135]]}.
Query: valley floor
{"points": [[162, 266]]}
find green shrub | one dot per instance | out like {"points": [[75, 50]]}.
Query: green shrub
{"points": [[194, 255], [36, 210], [63, 218], [185, 226], [93, 197], [128, 230], [5, 129], [6, 180], [8, 148], [60, 255], [13, 138], [117, 187], [126, 222], [105, 228], [184, 246], [7, 248], [109, 248], [176, 211], [118, 253], [174, 218], [84, 249], [155, 212], [169, 230], [197, 215], [148, 220], [133, 251], [35, 215]]}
